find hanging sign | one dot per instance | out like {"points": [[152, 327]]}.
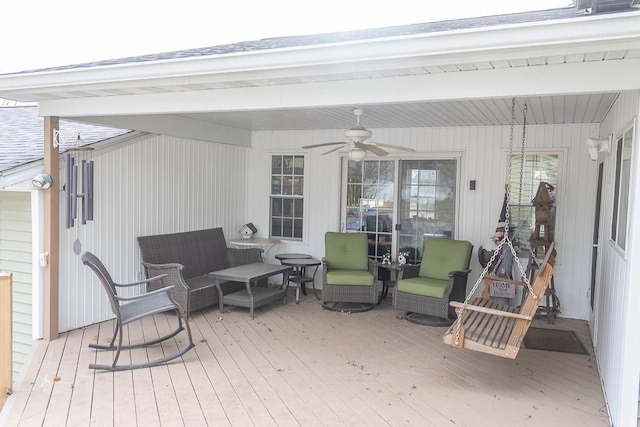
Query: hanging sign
{"points": [[502, 289]]}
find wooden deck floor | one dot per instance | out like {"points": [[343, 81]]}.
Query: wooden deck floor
{"points": [[301, 365]]}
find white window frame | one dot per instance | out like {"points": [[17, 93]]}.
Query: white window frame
{"points": [[560, 188], [304, 197], [616, 189]]}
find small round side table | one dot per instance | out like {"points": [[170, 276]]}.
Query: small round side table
{"points": [[300, 278], [389, 277]]}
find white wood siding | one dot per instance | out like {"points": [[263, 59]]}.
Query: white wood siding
{"points": [[15, 258], [154, 185], [484, 159], [617, 318], [163, 184]]}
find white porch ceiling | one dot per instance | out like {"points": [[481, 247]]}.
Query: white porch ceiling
{"points": [[567, 109]]}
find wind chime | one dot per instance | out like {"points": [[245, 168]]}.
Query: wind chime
{"points": [[78, 169]]}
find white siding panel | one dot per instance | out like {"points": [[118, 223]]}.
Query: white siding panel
{"points": [[155, 185], [15, 258], [617, 318], [484, 159]]}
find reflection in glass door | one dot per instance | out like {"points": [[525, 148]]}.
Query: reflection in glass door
{"points": [[370, 199], [427, 203]]}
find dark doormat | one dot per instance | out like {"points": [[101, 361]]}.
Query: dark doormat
{"points": [[553, 340]]}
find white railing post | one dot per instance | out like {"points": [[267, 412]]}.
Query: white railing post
{"points": [[6, 337]]}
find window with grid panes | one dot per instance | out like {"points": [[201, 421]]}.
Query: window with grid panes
{"points": [[287, 197], [522, 217]]}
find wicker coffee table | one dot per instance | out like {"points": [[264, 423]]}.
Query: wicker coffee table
{"points": [[249, 274]]}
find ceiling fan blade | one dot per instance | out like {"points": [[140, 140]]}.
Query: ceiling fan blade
{"points": [[331, 151], [375, 150], [395, 147], [324, 144]]}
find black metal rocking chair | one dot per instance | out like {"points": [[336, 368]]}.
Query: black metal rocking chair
{"points": [[129, 309]]}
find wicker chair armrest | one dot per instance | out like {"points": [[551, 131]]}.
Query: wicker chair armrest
{"points": [[172, 276], [457, 284], [373, 267], [408, 271], [244, 256], [459, 273], [324, 269], [167, 266]]}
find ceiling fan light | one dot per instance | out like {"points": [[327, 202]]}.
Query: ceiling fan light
{"points": [[357, 154]]}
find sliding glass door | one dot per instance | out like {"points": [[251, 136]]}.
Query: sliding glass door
{"points": [[399, 203], [426, 206], [370, 190]]}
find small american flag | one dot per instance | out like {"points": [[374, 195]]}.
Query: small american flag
{"points": [[502, 221]]}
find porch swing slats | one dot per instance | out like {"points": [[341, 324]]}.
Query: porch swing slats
{"points": [[492, 328]]}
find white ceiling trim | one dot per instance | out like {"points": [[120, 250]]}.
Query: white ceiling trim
{"points": [[561, 79]]}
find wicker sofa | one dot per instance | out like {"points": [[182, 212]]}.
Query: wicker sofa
{"points": [[186, 258]]}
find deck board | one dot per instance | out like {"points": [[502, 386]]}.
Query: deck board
{"points": [[80, 404], [298, 364]]}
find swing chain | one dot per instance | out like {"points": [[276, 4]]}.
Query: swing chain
{"points": [[524, 277], [505, 238]]}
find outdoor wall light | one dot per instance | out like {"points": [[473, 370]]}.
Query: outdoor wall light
{"points": [[42, 181], [596, 146]]}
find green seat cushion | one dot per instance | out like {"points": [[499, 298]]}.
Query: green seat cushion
{"points": [[349, 278], [442, 256], [424, 286], [346, 251]]}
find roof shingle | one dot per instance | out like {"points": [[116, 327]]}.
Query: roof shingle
{"points": [[22, 134], [336, 37]]}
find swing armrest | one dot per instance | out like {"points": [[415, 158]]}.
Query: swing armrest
{"points": [[488, 310]]}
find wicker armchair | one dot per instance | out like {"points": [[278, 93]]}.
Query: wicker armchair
{"points": [[348, 275], [442, 276]]}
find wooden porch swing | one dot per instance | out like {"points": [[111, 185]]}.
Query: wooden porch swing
{"points": [[486, 326]]}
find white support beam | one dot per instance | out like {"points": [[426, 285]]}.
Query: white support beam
{"points": [[174, 125]]}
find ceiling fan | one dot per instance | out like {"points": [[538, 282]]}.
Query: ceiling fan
{"points": [[358, 134]]}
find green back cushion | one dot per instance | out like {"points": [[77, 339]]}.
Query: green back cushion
{"points": [[442, 256], [346, 251]]}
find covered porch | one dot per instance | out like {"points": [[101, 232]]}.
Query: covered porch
{"points": [[298, 364], [221, 115]]}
